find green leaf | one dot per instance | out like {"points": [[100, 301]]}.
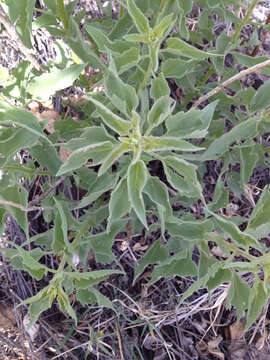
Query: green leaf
{"points": [[159, 112], [155, 254], [13, 141], [161, 29], [23, 119], [91, 295], [80, 156], [248, 160], [102, 184], [21, 12], [18, 195], [261, 99], [45, 85], [259, 221], [180, 47], [79, 46], [127, 59], [117, 90], [158, 193], [201, 282], [244, 130], [189, 230], [64, 225], [191, 124], [64, 303], [136, 179], [138, 17], [163, 143], [114, 155], [159, 87], [230, 229], [36, 308], [47, 156], [177, 68], [238, 295], [179, 264], [119, 204], [112, 120], [257, 300]]}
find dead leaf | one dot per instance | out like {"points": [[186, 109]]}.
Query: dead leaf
{"points": [[237, 330], [64, 153], [7, 317], [139, 247]]}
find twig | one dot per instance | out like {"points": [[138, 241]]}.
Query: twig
{"points": [[39, 198], [238, 76], [11, 29], [21, 207]]}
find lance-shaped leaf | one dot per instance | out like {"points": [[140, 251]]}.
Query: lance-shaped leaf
{"points": [[115, 154], [182, 176], [64, 225], [64, 303], [152, 143], [231, 230], [155, 254], [123, 96], [140, 21], [91, 295], [79, 157], [179, 264], [191, 124], [259, 221], [127, 59], [261, 99], [21, 12], [189, 230], [102, 184], [161, 29], [15, 140], [159, 112], [158, 193], [257, 299], [136, 179], [112, 120], [45, 85], [245, 130], [177, 68], [248, 160], [119, 204], [180, 47], [238, 295], [159, 87], [24, 119]]}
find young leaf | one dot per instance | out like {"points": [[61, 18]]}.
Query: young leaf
{"points": [[64, 303], [136, 179], [119, 204], [238, 295], [159, 87], [140, 21], [179, 264], [159, 112], [259, 221], [257, 300], [24, 119], [45, 85], [262, 97], [117, 89], [80, 156], [112, 120], [244, 130], [155, 254], [21, 13], [180, 47], [115, 154], [164, 143]]}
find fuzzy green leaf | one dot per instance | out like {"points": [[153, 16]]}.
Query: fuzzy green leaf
{"points": [[136, 179]]}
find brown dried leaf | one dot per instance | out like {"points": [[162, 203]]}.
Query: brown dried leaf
{"points": [[237, 330]]}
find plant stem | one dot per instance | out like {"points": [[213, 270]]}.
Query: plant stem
{"points": [[62, 13], [238, 76], [244, 22]]}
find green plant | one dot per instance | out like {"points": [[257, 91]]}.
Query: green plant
{"points": [[124, 129]]}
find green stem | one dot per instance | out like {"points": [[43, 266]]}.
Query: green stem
{"points": [[146, 76], [62, 13], [244, 22]]}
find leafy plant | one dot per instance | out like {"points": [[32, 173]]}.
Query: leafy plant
{"points": [[133, 123]]}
